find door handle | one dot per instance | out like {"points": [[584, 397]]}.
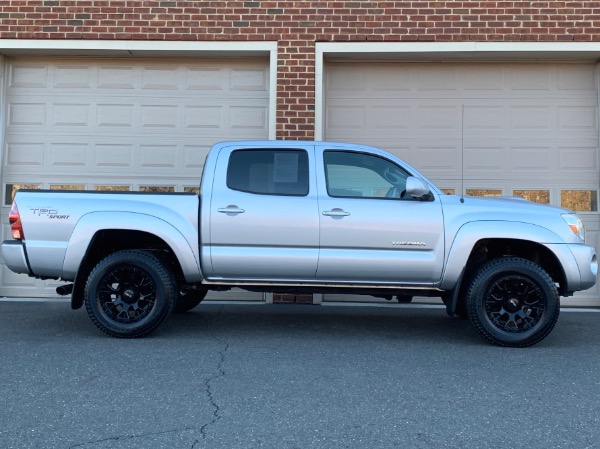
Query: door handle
{"points": [[336, 212], [231, 210]]}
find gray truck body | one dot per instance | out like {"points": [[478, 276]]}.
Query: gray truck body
{"points": [[411, 239]]}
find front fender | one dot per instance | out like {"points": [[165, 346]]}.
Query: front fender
{"points": [[470, 233], [185, 251]]}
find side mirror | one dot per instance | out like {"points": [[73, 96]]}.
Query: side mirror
{"points": [[416, 187]]}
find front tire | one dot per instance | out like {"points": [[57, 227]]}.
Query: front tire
{"points": [[513, 302], [130, 293]]}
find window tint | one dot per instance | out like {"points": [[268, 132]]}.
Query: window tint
{"points": [[358, 175], [269, 172]]}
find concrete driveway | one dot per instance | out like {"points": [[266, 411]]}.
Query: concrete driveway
{"points": [[294, 377]]}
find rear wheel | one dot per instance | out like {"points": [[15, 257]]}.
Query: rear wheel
{"points": [[130, 293], [513, 302]]}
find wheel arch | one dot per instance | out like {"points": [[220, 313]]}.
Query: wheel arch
{"points": [[500, 236], [479, 242], [138, 231]]}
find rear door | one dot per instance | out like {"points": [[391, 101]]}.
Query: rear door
{"points": [[371, 230], [264, 221]]}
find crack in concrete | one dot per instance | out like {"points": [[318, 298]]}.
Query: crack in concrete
{"points": [[208, 388], [130, 437]]}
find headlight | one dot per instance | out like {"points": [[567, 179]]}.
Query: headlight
{"points": [[575, 224]]}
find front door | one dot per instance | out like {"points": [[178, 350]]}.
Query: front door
{"points": [[264, 218], [371, 230]]}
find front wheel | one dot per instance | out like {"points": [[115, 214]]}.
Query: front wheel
{"points": [[130, 293], [513, 302]]}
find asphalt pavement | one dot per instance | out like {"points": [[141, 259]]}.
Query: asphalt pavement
{"points": [[294, 377]]}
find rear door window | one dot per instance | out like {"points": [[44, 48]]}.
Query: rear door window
{"points": [[269, 172]]}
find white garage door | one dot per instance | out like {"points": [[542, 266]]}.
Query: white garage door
{"points": [[521, 129], [123, 124]]}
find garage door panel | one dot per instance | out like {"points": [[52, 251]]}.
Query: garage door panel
{"points": [[243, 119], [124, 124], [28, 115], [530, 117], [68, 154], [561, 119], [194, 157], [23, 155], [346, 117], [203, 117], [482, 159], [27, 75], [112, 155], [158, 156], [159, 116], [438, 159], [486, 78], [163, 119], [575, 77], [116, 76], [484, 118], [578, 159], [70, 114], [528, 161], [114, 115], [72, 76], [164, 79], [533, 77], [578, 118], [389, 117], [445, 80], [245, 80]]}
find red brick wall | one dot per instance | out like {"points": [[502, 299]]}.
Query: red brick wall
{"points": [[297, 25]]}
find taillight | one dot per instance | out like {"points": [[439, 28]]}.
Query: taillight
{"points": [[15, 223]]}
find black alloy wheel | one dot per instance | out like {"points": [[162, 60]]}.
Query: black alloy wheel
{"points": [[513, 302], [130, 293]]}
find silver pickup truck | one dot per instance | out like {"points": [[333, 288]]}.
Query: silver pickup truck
{"points": [[312, 217]]}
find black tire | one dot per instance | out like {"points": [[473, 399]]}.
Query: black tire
{"points": [[513, 302], [130, 293], [188, 299]]}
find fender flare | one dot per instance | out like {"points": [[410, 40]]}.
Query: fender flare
{"points": [[89, 224], [470, 233]]}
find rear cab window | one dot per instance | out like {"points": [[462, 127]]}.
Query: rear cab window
{"points": [[269, 172]]}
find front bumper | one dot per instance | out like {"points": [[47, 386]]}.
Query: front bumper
{"points": [[579, 265], [15, 256], [585, 256]]}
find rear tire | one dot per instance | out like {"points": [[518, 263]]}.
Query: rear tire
{"points": [[130, 293], [513, 302]]}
